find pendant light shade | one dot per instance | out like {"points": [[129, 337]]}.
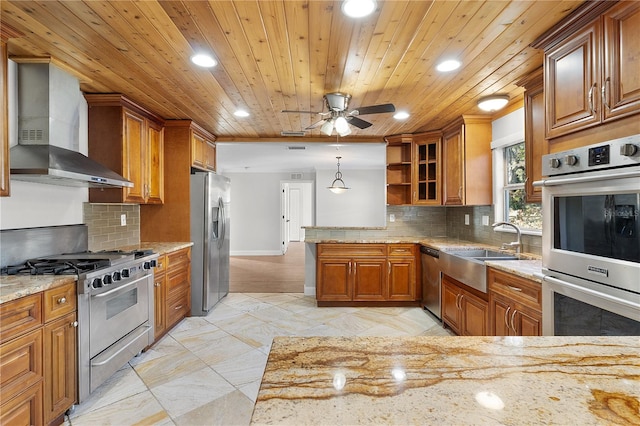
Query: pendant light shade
{"points": [[338, 186], [342, 127], [327, 127]]}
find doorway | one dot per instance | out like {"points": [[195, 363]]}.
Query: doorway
{"points": [[296, 201]]}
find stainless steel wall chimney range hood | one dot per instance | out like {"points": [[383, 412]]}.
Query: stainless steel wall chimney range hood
{"points": [[48, 113]]}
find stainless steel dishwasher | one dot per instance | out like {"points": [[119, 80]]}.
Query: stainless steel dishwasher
{"points": [[430, 279]]}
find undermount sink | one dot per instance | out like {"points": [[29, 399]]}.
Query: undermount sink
{"points": [[468, 266]]}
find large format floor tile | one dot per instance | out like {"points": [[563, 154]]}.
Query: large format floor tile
{"points": [[207, 370]]}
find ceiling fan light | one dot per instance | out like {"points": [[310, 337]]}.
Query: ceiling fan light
{"points": [[342, 127], [204, 60], [493, 103], [327, 127], [358, 8]]}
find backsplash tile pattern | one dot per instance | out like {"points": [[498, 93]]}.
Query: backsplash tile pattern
{"points": [[105, 231]]}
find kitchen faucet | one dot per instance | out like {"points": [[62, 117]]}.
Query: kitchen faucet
{"points": [[517, 243]]}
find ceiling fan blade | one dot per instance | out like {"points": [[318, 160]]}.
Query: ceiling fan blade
{"points": [[314, 125], [358, 122], [375, 109], [301, 112]]}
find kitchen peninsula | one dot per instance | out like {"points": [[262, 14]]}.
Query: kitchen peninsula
{"points": [[451, 380]]}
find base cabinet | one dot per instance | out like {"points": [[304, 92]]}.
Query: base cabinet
{"points": [[464, 312], [38, 335], [172, 290], [515, 305], [366, 273]]}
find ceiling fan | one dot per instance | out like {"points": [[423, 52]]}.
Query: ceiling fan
{"points": [[337, 115]]}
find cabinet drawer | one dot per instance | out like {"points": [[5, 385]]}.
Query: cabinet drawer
{"points": [[59, 301], [179, 257], [177, 280], [161, 265], [24, 409], [178, 306], [404, 250], [352, 250], [527, 292], [20, 364], [20, 316]]}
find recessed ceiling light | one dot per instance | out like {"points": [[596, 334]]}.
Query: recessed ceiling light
{"points": [[204, 60], [401, 115], [448, 65], [358, 8], [241, 113], [493, 103]]}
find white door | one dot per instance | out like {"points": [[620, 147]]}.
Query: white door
{"points": [[295, 210], [284, 209]]}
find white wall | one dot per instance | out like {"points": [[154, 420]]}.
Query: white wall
{"points": [[255, 213], [362, 205], [34, 204]]}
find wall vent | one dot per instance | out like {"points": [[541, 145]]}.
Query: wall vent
{"points": [[296, 176], [294, 147], [291, 133]]}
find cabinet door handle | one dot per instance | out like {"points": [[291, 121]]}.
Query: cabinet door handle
{"points": [[178, 307], [506, 317], [389, 268], [606, 83], [460, 192], [156, 285], [62, 300], [74, 324], [513, 326], [514, 288], [593, 111], [349, 267]]}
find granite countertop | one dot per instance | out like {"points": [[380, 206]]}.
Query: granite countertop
{"points": [[16, 286], [450, 380]]}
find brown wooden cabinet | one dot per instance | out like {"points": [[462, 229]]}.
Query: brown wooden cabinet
{"points": [[203, 150], [591, 72], [426, 169], [466, 156], [129, 140], [172, 290], [38, 356], [465, 312], [366, 273], [515, 305], [536, 144], [399, 169]]}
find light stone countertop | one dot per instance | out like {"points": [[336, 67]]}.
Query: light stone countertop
{"points": [[16, 286], [450, 380]]}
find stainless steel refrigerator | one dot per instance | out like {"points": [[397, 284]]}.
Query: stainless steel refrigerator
{"points": [[210, 224]]}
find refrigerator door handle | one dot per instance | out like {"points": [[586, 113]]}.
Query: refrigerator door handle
{"points": [[221, 222]]}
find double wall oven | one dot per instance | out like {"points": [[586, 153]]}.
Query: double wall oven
{"points": [[591, 240]]}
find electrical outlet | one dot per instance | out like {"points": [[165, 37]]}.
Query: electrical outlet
{"points": [[123, 219], [485, 220], [392, 217], [466, 219]]}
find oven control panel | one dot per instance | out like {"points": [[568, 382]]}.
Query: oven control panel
{"points": [[615, 153]]}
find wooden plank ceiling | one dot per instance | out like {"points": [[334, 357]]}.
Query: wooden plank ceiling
{"points": [[276, 55]]}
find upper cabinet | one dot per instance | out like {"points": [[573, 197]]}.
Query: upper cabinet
{"points": [[466, 147], [592, 64], [129, 140], [203, 148], [413, 169], [426, 168], [536, 145]]}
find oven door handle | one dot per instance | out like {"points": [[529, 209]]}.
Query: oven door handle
{"points": [[106, 293], [581, 179], [589, 291]]}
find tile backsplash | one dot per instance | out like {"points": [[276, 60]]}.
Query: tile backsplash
{"points": [[104, 222]]}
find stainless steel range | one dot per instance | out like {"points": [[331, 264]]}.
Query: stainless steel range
{"points": [[115, 307]]}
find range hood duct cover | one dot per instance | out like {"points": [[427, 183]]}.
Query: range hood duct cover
{"points": [[48, 100]]}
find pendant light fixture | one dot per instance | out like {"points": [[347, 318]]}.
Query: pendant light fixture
{"points": [[338, 186]]}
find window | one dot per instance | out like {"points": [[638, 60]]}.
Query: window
{"points": [[510, 196]]}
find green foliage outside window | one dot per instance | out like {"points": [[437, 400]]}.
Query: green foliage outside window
{"points": [[517, 210]]}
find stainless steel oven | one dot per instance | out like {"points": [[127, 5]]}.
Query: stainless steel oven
{"points": [[591, 239]]}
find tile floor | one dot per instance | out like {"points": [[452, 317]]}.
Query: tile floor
{"points": [[207, 370]]}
